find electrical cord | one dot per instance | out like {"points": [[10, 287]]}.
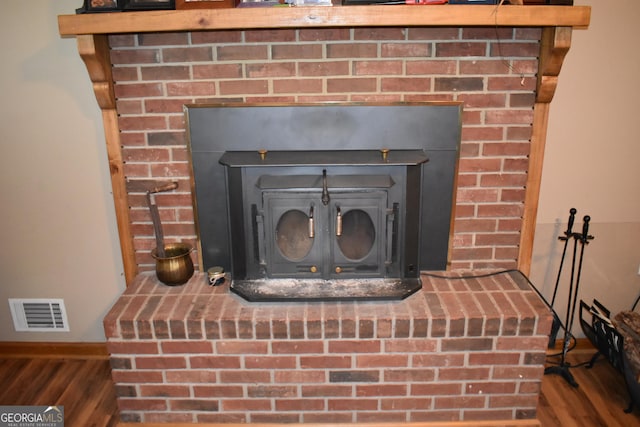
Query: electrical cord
{"points": [[506, 62], [572, 338], [633, 307]]}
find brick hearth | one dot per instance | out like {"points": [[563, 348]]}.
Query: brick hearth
{"points": [[460, 349]]}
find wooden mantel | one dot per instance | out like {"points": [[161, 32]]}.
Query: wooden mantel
{"points": [[337, 16], [557, 23]]}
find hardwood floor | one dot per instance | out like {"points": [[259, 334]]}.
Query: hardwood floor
{"points": [[85, 389], [599, 400]]}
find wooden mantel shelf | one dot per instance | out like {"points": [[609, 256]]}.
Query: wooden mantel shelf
{"points": [[92, 31], [337, 16]]}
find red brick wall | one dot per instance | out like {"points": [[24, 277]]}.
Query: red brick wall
{"points": [[461, 349], [491, 71]]}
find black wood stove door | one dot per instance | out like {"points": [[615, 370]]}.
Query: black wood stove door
{"points": [[358, 235], [292, 244], [303, 237]]}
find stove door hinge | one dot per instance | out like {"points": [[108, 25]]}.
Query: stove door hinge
{"points": [[259, 223], [391, 217]]}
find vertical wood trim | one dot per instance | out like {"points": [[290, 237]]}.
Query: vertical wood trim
{"points": [[554, 45], [534, 177], [119, 189], [94, 51]]}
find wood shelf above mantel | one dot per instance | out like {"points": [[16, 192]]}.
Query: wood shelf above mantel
{"points": [[336, 16]]}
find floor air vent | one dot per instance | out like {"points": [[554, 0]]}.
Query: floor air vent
{"points": [[39, 315]]}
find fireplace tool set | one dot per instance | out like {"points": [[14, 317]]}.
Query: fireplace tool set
{"points": [[579, 239], [173, 261]]}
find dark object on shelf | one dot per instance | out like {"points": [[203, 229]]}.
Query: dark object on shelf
{"points": [[615, 340], [548, 2], [205, 4], [473, 1], [414, 2], [96, 6], [149, 4]]}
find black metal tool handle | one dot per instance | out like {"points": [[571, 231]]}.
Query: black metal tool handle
{"points": [[585, 229], [565, 239], [572, 218]]}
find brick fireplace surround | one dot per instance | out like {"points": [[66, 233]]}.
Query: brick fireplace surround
{"points": [[486, 366], [460, 349], [491, 71]]}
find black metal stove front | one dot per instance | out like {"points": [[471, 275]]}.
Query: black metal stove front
{"points": [[255, 216], [324, 225]]}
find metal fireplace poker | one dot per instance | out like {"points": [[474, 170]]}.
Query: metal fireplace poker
{"points": [[562, 368]]}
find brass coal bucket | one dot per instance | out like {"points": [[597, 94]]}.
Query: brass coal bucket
{"points": [[176, 266]]}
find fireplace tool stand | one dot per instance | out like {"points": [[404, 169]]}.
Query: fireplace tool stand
{"points": [[581, 239]]}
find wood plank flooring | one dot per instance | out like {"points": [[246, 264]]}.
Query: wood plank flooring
{"points": [[85, 389], [598, 401]]}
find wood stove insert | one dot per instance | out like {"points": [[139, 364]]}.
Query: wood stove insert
{"points": [[262, 174], [327, 225]]}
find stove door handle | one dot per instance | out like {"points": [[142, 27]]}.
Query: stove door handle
{"points": [[312, 226], [325, 188], [338, 221]]}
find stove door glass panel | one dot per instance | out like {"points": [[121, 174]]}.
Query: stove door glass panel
{"points": [[294, 237], [357, 236]]}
